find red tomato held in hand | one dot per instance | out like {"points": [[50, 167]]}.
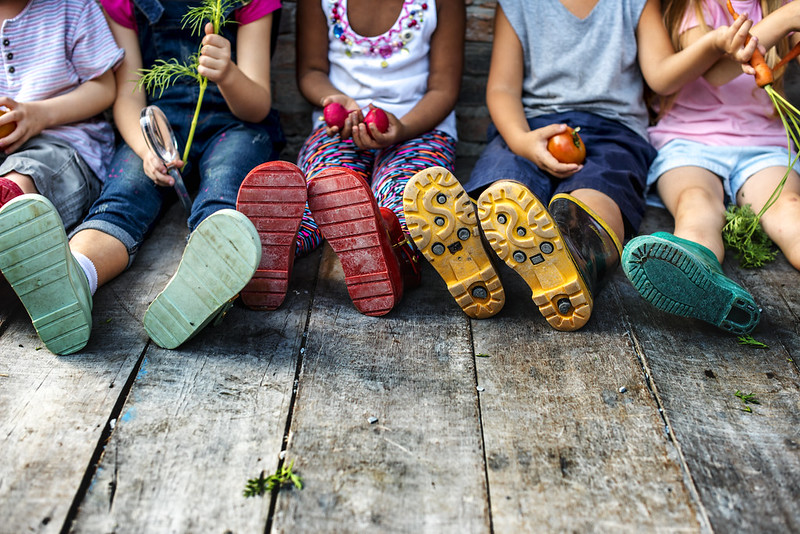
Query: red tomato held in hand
{"points": [[567, 147], [335, 115], [377, 117]]}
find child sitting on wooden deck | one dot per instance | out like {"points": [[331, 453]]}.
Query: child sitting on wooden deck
{"points": [[559, 225]]}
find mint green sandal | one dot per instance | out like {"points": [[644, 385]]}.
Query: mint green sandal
{"points": [[36, 260], [684, 278], [220, 258]]}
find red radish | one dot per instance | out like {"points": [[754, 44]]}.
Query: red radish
{"points": [[335, 115], [377, 117]]}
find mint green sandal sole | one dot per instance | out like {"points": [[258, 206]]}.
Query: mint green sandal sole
{"points": [[37, 263], [220, 258], [675, 280]]}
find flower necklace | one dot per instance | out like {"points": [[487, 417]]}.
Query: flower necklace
{"points": [[383, 46]]}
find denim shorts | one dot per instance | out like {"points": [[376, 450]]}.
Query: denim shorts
{"points": [[59, 173], [733, 164], [617, 159]]}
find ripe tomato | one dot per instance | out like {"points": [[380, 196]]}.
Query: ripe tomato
{"points": [[6, 128], [567, 147]]}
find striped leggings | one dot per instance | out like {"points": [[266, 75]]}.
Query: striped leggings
{"points": [[390, 169]]}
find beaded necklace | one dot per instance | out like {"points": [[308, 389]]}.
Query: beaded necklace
{"points": [[385, 45]]}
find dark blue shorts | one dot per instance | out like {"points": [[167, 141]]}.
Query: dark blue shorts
{"points": [[617, 161]]}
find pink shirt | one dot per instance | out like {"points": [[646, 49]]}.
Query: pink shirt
{"points": [[738, 113], [121, 11]]}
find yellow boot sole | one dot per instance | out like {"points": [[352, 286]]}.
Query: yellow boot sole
{"points": [[441, 220], [524, 235]]}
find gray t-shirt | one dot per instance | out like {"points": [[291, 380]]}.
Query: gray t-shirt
{"points": [[574, 64]]}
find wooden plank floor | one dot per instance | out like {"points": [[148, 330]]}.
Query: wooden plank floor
{"points": [[421, 421]]}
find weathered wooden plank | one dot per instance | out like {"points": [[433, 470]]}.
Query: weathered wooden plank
{"points": [[419, 466], [55, 409], [743, 464], [199, 422], [574, 439]]}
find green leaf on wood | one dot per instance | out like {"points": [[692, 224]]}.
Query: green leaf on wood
{"points": [[747, 339], [283, 476]]}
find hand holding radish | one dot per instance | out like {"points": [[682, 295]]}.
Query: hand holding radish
{"points": [[368, 134], [332, 109]]}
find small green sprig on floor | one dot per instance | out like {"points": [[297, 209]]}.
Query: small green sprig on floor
{"points": [[261, 485], [747, 339], [165, 73], [747, 398]]}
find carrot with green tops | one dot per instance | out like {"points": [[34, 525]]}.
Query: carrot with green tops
{"points": [[763, 72]]}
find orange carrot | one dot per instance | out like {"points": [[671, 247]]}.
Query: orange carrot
{"points": [[763, 72], [793, 53]]}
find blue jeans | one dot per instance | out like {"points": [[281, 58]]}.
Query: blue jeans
{"points": [[131, 203]]}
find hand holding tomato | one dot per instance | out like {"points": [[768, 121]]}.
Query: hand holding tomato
{"points": [[567, 146]]}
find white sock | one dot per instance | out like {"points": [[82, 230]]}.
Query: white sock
{"points": [[88, 269]]}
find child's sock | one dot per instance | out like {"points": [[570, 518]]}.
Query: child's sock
{"points": [[88, 269], [8, 190]]}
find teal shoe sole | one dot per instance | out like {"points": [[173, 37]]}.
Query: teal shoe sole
{"points": [[675, 280], [37, 263], [220, 258]]}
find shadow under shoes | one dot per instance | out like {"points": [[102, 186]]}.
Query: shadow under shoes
{"points": [[348, 216], [684, 278], [219, 259], [441, 220], [273, 197], [36, 261], [565, 253]]}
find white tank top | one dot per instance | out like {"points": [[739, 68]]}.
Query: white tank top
{"points": [[389, 70]]}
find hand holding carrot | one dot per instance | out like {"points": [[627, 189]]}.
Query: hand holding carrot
{"points": [[762, 72], [735, 40]]}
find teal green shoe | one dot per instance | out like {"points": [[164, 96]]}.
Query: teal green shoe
{"points": [[36, 260], [684, 278], [220, 258]]}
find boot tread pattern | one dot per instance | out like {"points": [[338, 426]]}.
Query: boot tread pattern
{"points": [[653, 268], [36, 261], [348, 217], [441, 220], [220, 258], [524, 235], [273, 197]]}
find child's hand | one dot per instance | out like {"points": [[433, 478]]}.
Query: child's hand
{"points": [[30, 122], [354, 117], [537, 152], [367, 136], [733, 40], [215, 56], [155, 169]]}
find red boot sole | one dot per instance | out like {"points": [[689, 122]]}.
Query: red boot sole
{"points": [[348, 216], [273, 196]]}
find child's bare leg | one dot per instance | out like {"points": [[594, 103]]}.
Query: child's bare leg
{"points": [[108, 254], [696, 199], [605, 207], [781, 221], [23, 181]]}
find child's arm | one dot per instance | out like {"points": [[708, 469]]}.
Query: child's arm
{"points": [[244, 85], [504, 99], [444, 80], [131, 100], [766, 33], [666, 71], [84, 102]]}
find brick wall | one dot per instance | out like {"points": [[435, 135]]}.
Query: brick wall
{"points": [[471, 109]]}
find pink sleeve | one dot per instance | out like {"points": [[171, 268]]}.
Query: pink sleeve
{"points": [[121, 12], [255, 10]]}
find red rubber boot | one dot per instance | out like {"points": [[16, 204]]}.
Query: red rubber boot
{"points": [[8, 190], [407, 254], [348, 216], [273, 197]]}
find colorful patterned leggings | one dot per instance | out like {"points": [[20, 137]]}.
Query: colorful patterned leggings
{"points": [[390, 168]]}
